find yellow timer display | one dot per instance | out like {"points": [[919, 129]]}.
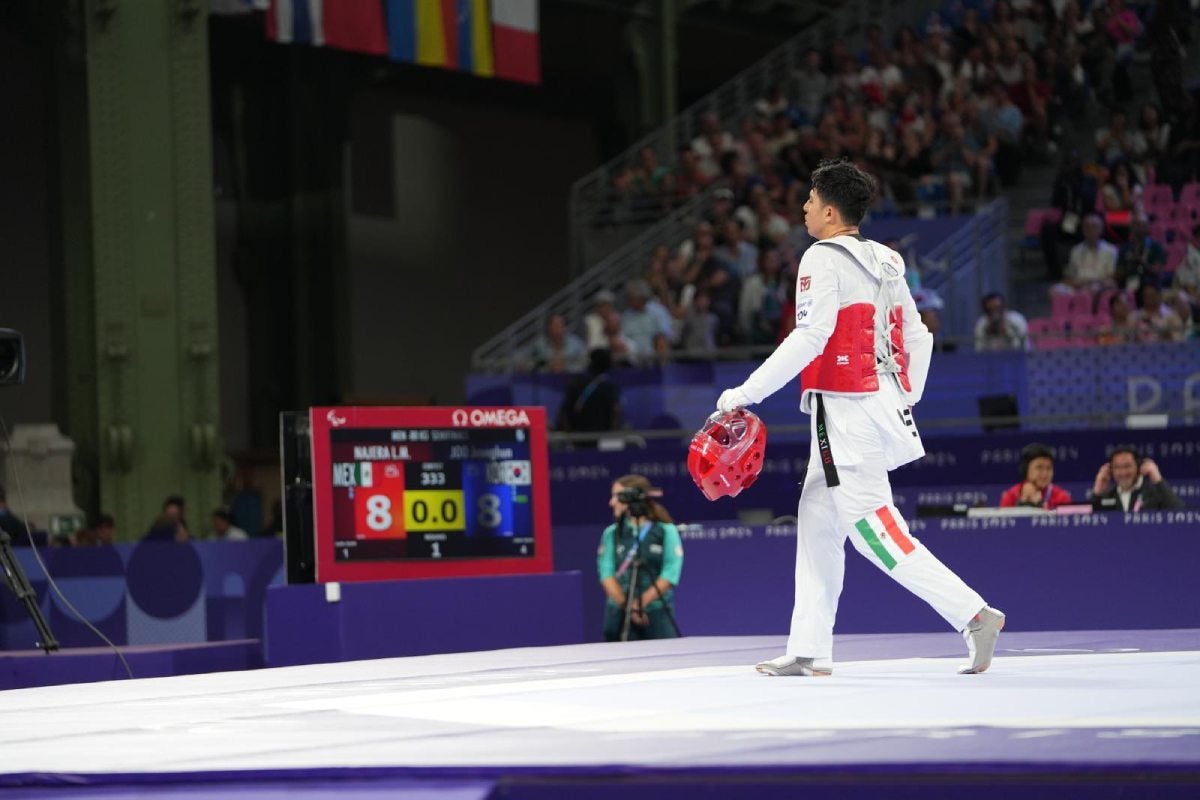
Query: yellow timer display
{"points": [[434, 510]]}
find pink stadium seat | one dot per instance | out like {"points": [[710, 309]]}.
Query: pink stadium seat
{"points": [[1102, 301], [1081, 305], [1047, 333], [1043, 325], [1036, 217], [1060, 305], [1158, 232], [1157, 195], [1052, 341], [1168, 214], [1083, 329], [1189, 195]]}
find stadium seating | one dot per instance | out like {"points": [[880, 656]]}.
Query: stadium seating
{"points": [[1157, 198], [1048, 333]]}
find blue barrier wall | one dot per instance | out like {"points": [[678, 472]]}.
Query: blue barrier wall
{"points": [[387, 619], [1132, 379], [1055, 572], [580, 481], [924, 234], [1093, 571], [148, 593], [1121, 380]]}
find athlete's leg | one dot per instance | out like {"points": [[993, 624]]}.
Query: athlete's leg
{"points": [[880, 533], [820, 567]]}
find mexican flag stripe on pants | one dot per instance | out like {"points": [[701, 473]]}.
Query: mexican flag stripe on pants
{"points": [[885, 536]]}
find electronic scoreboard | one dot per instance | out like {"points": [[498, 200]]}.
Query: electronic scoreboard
{"points": [[429, 492]]}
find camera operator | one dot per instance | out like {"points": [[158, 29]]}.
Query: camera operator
{"points": [[643, 542]]}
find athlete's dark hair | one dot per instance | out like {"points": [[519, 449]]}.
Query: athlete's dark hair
{"points": [[845, 187], [1029, 453]]}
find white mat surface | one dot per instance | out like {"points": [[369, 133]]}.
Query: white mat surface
{"points": [[588, 706]]}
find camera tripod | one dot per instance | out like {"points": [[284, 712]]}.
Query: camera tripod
{"points": [[15, 577], [635, 566]]}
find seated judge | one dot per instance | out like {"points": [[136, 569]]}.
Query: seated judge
{"points": [[1128, 482]]}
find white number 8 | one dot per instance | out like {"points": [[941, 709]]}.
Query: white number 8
{"points": [[489, 511], [379, 516]]}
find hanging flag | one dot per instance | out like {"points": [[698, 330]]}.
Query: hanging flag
{"points": [[489, 38], [454, 34], [356, 25], [296, 21], [435, 21], [402, 30], [515, 44], [475, 38]]}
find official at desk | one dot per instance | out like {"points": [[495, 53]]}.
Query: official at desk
{"points": [[1129, 482]]}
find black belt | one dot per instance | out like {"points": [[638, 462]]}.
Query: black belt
{"points": [[831, 474]]}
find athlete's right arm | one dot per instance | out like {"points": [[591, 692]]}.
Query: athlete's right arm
{"points": [[818, 297]]}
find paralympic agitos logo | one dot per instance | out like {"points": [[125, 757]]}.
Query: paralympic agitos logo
{"points": [[489, 418]]}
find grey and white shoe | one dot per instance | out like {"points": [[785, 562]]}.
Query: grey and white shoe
{"points": [[981, 634], [792, 665]]}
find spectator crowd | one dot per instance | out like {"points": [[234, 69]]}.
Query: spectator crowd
{"points": [[944, 114]]}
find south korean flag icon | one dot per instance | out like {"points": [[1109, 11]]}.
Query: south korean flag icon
{"points": [[515, 473]]}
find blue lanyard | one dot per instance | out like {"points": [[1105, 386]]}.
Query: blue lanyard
{"points": [[593, 384], [646, 526]]}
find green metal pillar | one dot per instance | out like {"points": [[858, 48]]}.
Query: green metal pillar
{"points": [[668, 60], [152, 277], [652, 38]]}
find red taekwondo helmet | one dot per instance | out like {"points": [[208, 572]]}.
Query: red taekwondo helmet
{"points": [[726, 454]]}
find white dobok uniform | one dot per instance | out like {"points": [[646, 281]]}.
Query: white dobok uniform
{"points": [[868, 434]]}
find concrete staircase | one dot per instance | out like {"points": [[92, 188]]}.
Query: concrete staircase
{"points": [[1027, 284]]}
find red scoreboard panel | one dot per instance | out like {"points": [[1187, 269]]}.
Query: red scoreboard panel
{"points": [[423, 492]]}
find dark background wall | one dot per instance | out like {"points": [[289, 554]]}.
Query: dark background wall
{"points": [[478, 234], [374, 221], [25, 276]]}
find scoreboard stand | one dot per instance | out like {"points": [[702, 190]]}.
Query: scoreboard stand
{"points": [[390, 494], [315, 623]]}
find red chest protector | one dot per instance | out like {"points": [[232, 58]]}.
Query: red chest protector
{"points": [[847, 364]]}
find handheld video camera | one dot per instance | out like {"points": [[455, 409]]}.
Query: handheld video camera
{"points": [[637, 501]]}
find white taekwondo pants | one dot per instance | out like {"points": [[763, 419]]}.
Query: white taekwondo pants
{"points": [[859, 507]]}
